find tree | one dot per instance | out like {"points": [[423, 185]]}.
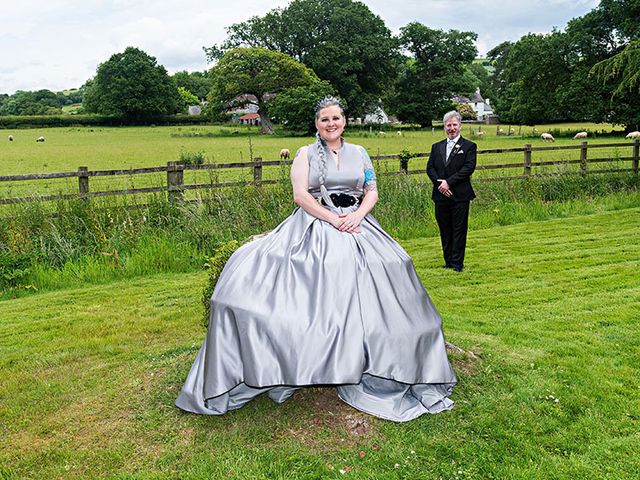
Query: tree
{"points": [[433, 72], [544, 78], [198, 83], [342, 41], [258, 72], [294, 107], [483, 78], [466, 111], [41, 102], [535, 69], [187, 99], [132, 86]]}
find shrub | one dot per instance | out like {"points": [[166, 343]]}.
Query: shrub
{"points": [[215, 265], [192, 158], [14, 269]]}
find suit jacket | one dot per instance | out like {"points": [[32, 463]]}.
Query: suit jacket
{"points": [[457, 172]]}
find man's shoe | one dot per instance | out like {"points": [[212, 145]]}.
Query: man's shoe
{"points": [[457, 268]]}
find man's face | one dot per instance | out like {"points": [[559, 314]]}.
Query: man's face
{"points": [[452, 128]]}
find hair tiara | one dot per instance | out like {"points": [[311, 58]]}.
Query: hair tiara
{"points": [[329, 101]]}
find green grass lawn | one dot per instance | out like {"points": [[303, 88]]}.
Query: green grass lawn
{"points": [[550, 309], [104, 148]]}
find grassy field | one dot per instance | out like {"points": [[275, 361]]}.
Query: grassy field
{"points": [[550, 310], [66, 149]]}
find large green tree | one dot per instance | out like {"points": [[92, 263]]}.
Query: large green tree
{"points": [[435, 70], [257, 72], [132, 86], [295, 107], [341, 40], [545, 78], [198, 83]]}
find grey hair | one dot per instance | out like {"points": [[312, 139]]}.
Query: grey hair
{"points": [[328, 101], [450, 115]]}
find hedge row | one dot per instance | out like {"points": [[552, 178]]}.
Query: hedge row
{"points": [[35, 121]]}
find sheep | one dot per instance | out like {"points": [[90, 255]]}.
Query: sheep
{"points": [[40, 139], [381, 133], [580, 135], [500, 131], [547, 137], [399, 133], [479, 134], [285, 154], [635, 134], [11, 138]]}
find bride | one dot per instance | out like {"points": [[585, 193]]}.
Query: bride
{"points": [[328, 298]]}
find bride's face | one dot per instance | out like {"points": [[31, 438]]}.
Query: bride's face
{"points": [[330, 123]]}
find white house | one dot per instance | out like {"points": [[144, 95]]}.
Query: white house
{"points": [[480, 105]]}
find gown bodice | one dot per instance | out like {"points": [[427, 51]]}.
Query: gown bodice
{"points": [[349, 178]]}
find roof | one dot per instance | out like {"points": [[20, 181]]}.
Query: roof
{"points": [[249, 116]]}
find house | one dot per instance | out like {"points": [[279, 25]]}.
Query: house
{"points": [[250, 119], [479, 105], [377, 116]]}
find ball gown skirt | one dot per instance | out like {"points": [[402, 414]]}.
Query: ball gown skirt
{"points": [[308, 305]]}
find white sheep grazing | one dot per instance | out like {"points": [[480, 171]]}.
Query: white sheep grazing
{"points": [[635, 134], [381, 133], [580, 135], [11, 138], [500, 130], [535, 130], [547, 137], [399, 133], [512, 130], [480, 134], [285, 154], [40, 139]]}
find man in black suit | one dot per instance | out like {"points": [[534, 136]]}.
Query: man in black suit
{"points": [[450, 165]]}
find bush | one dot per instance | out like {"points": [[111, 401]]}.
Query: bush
{"points": [[215, 265], [37, 121], [192, 158], [14, 269]]}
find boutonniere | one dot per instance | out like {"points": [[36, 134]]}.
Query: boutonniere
{"points": [[461, 151]]}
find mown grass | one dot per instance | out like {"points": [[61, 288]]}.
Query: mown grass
{"points": [[550, 308], [105, 148], [96, 241]]}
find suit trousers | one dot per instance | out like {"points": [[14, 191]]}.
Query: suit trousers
{"points": [[453, 221]]}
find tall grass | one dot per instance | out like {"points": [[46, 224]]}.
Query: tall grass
{"points": [[96, 240]]}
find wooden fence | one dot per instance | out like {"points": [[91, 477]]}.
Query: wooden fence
{"points": [[175, 186]]}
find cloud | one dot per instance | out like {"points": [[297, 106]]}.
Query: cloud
{"points": [[58, 44]]}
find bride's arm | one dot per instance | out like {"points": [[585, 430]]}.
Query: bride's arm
{"points": [[301, 195]]}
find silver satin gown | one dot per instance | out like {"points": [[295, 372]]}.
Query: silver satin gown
{"points": [[308, 305]]}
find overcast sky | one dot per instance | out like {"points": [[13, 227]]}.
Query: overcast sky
{"points": [[58, 44]]}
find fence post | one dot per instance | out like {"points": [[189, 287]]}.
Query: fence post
{"points": [[636, 156], [175, 181], [527, 160], [583, 158], [83, 180], [257, 171]]}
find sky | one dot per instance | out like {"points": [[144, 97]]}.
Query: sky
{"points": [[58, 44]]}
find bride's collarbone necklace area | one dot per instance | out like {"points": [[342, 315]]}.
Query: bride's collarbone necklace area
{"points": [[335, 153]]}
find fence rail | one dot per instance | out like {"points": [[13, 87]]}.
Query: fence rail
{"points": [[175, 186]]}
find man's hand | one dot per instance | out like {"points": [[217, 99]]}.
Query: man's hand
{"points": [[444, 188]]}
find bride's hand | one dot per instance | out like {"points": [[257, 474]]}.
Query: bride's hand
{"points": [[350, 222]]}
